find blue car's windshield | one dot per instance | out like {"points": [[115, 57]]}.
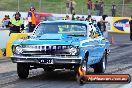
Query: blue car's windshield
{"points": [[60, 27]]}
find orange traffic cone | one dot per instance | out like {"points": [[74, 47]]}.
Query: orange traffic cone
{"points": [[112, 40]]}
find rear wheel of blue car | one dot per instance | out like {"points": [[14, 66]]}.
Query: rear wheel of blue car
{"points": [[101, 66], [22, 70]]}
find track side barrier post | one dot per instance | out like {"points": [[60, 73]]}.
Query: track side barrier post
{"points": [[1, 53]]}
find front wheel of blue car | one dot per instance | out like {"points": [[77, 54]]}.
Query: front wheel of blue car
{"points": [[22, 70], [101, 66]]}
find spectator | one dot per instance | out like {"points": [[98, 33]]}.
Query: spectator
{"points": [[82, 19], [5, 21], [77, 18], [102, 26], [113, 9], [73, 16], [89, 18], [16, 23], [130, 22], [31, 19], [97, 8], [101, 3], [67, 17], [72, 6], [67, 6], [89, 6]]}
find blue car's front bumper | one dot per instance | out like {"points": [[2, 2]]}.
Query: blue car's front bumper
{"points": [[47, 60]]}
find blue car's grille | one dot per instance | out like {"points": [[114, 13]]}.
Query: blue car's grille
{"points": [[57, 50]]}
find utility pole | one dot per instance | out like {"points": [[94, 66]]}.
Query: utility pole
{"points": [[40, 6], [123, 8], [18, 6]]}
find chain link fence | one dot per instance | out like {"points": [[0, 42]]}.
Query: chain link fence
{"points": [[60, 7]]}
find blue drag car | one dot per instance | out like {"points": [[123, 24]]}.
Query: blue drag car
{"points": [[61, 44]]}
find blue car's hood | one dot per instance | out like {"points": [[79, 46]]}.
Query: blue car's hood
{"points": [[52, 39]]}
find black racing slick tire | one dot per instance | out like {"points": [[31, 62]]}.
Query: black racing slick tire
{"points": [[22, 70], [101, 66]]}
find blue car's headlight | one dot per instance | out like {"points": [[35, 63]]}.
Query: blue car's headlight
{"points": [[17, 49], [73, 50]]}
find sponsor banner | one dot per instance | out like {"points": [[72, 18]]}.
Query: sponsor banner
{"points": [[120, 25], [104, 78]]}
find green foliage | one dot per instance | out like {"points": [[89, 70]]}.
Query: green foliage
{"points": [[58, 6]]}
